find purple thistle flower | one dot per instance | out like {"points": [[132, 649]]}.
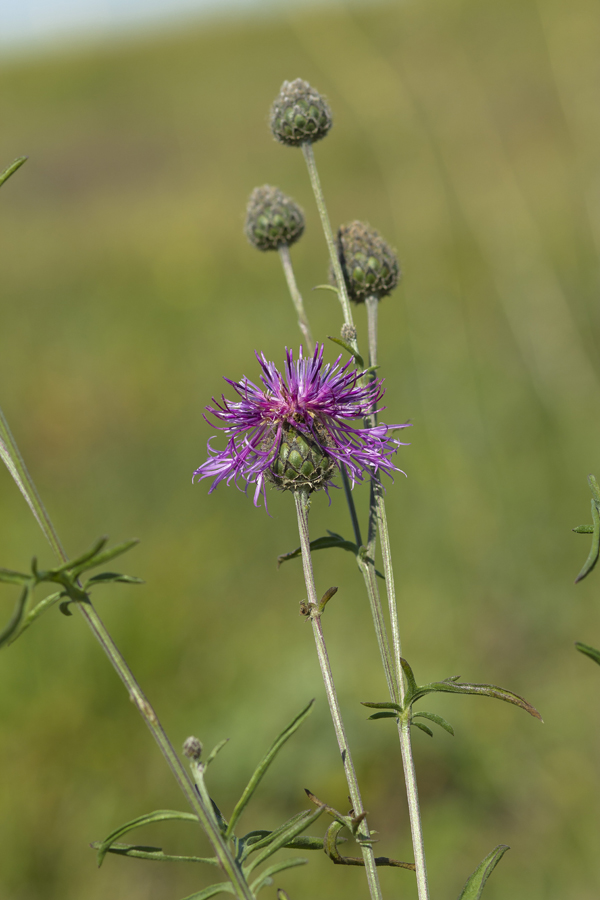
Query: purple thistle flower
{"points": [[292, 431]]}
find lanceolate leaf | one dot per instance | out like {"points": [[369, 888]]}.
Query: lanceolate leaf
{"points": [[433, 717], [5, 175], [101, 558], [595, 548], [141, 852], [266, 877], [7, 576], [107, 577], [37, 610], [424, 728], [485, 690], [473, 889], [16, 618], [159, 815], [322, 543], [588, 651], [285, 834], [264, 764], [225, 887], [349, 349]]}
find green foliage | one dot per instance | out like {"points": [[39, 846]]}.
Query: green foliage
{"points": [[449, 685], [593, 529], [68, 576], [473, 889], [588, 651]]}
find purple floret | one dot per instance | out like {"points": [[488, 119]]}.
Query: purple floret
{"points": [[313, 398]]}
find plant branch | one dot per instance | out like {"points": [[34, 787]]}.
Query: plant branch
{"points": [[286, 262], [302, 506]]}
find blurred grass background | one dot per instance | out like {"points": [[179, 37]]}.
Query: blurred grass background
{"points": [[468, 134]]}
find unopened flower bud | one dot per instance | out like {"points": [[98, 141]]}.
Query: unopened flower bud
{"points": [[348, 332], [301, 462], [272, 219], [299, 114], [192, 748], [369, 264]]}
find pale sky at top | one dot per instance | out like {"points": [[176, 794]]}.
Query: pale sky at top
{"points": [[24, 23]]}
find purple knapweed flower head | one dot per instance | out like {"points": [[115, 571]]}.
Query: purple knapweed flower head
{"points": [[292, 431]]}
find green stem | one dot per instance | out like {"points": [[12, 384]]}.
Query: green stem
{"points": [[286, 262], [5, 175], [414, 811], [14, 461], [302, 506], [342, 290], [377, 512]]}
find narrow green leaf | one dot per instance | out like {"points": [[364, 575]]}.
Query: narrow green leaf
{"points": [[105, 557], [594, 487], [107, 577], [588, 651], [214, 752], [264, 764], [473, 889], [433, 717], [282, 836], [423, 728], [96, 547], [595, 548], [268, 836], [485, 690], [10, 170], [386, 704], [410, 678], [384, 715], [322, 543], [349, 349], [326, 287], [137, 851], [584, 529], [267, 876], [37, 610], [225, 887], [305, 842], [159, 815], [16, 618], [7, 576]]}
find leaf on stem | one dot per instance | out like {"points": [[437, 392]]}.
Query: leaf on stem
{"points": [[322, 543], [595, 548], [101, 558], [7, 576], [433, 717], [424, 728], [214, 752], [108, 577], [159, 815], [588, 651], [225, 887], [283, 835], [137, 851], [264, 764], [16, 618], [326, 287], [349, 349], [10, 170], [37, 610], [266, 877], [473, 889]]}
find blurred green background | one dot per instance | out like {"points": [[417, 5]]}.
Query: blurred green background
{"points": [[469, 135]]}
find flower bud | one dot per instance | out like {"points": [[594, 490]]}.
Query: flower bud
{"points": [[192, 748], [369, 264], [299, 114], [272, 219], [300, 462]]}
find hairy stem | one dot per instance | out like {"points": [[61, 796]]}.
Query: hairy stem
{"points": [[342, 290], [11, 456], [286, 262], [414, 810], [377, 514], [302, 506]]}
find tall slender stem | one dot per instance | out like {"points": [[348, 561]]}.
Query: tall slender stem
{"points": [[377, 511], [414, 810], [286, 262], [342, 290], [10, 454], [302, 506]]}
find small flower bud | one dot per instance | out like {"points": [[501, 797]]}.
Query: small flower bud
{"points": [[369, 264], [301, 462], [192, 748], [348, 332], [272, 219], [299, 114]]}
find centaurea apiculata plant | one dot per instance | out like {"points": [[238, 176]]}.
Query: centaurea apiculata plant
{"points": [[296, 430]]}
